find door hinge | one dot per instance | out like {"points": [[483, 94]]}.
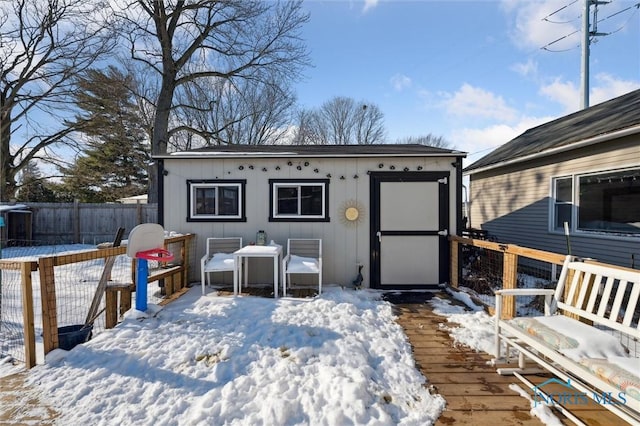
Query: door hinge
{"points": [[444, 180], [443, 233]]}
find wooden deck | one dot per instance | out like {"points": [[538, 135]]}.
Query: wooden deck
{"points": [[475, 393]]}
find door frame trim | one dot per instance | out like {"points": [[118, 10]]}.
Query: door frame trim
{"points": [[375, 178]]}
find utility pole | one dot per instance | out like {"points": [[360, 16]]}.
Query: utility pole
{"points": [[587, 33]]}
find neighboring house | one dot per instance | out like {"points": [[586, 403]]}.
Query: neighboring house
{"points": [[582, 169], [387, 207]]}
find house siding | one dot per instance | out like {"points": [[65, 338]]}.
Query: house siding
{"points": [[344, 244], [512, 202]]}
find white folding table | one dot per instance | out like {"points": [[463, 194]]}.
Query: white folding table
{"points": [[242, 262]]}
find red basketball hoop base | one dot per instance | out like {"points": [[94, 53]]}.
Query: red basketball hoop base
{"points": [[158, 254]]}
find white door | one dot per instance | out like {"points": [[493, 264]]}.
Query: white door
{"points": [[409, 229]]}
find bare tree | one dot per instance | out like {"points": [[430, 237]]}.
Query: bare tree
{"points": [[429, 140], [341, 121], [262, 113], [42, 45], [308, 131], [182, 42], [242, 112], [369, 127]]}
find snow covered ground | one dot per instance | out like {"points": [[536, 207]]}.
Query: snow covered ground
{"points": [[336, 359]]}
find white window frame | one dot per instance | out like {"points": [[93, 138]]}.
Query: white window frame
{"points": [[193, 186], [554, 202], [575, 201], [299, 184]]}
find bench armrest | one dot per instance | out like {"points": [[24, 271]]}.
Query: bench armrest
{"points": [[549, 306]]}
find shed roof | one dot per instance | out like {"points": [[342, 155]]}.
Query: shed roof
{"points": [[599, 123], [381, 150]]}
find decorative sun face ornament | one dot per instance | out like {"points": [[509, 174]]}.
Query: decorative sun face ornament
{"points": [[351, 212]]}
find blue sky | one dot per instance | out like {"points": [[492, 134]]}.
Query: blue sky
{"points": [[474, 72]]}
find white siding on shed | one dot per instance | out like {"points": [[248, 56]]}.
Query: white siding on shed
{"points": [[345, 244]]}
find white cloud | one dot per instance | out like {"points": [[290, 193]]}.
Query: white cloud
{"points": [[369, 4], [537, 24], [602, 88], [471, 101], [608, 87], [527, 69], [479, 142], [400, 82], [565, 93]]}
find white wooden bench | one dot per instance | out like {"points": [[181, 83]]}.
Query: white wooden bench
{"points": [[589, 318]]}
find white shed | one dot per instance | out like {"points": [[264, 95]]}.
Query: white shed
{"points": [[386, 207]]}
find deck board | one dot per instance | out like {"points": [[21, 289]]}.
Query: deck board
{"points": [[475, 393]]}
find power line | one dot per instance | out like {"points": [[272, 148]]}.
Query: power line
{"points": [[593, 33], [637, 7], [559, 10], [557, 40]]}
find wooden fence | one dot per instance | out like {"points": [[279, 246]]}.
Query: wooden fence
{"points": [[511, 265], [85, 223], [175, 276]]}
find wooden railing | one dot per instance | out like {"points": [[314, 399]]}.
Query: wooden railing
{"points": [[25, 268], [175, 278], [511, 254]]}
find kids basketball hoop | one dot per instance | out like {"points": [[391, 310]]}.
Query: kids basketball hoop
{"points": [[157, 254], [146, 242]]}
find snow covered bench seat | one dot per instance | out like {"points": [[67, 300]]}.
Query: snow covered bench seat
{"points": [[592, 311]]}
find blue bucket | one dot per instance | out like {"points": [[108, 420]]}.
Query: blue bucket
{"points": [[72, 335]]}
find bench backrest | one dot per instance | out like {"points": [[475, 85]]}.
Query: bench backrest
{"points": [[604, 294]]}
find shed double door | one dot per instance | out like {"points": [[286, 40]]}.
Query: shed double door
{"points": [[409, 229]]}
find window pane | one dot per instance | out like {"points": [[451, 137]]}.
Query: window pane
{"points": [[564, 190], [562, 215], [610, 202], [205, 201], [287, 200], [311, 200], [563, 202], [229, 201]]}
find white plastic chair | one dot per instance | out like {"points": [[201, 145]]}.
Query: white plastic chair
{"points": [[304, 256], [219, 257]]}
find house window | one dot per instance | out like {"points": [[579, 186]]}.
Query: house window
{"points": [[216, 200], [299, 200], [603, 202], [562, 202], [610, 202]]}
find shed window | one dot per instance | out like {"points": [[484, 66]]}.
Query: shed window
{"points": [[603, 202], [299, 200], [216, 200]]}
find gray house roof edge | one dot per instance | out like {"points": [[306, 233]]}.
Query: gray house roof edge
{"points": [[603, 121], [591, 141]]}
